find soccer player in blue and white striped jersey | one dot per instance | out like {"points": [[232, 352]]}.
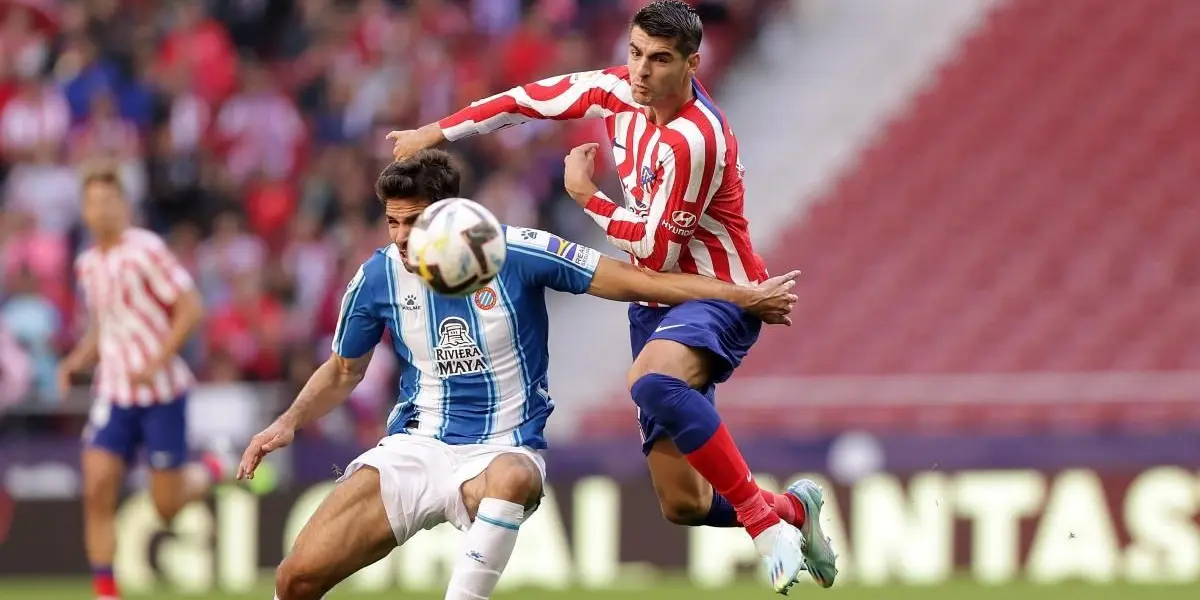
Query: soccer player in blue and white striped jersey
{"points": [[464, 439]]}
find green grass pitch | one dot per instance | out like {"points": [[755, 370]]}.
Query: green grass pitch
{"points": [[79, 590]]}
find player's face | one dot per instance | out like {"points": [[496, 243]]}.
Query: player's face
{"points": [[400, 215], [105, 212], [657, 70]]}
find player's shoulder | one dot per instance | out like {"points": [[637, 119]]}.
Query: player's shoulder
{"points": [[609, 79], [380, 260], [142, 238], [701, 123], [86, 259], [620, 72], [370, 270], [525, 242], [530, 238]]}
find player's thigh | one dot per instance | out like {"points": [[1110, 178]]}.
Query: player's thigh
{"points": [[700, 342], [164, 431], [349, 531], [110, 441], [672, 358], [684, 496], [115, 430]]}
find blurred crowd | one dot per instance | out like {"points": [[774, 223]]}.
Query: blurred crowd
{"points": [[249, 134]]}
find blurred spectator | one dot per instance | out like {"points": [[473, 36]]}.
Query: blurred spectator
{"points": [[43, 254], [16, 373], [259, 129], [46, 189], [249, 329], [200, 47], [37, 115], [34, 322], [230, 252]]}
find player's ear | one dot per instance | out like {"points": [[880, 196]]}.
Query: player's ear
{"points": [[693, 63]]}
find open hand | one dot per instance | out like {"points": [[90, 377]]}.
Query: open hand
{"points": [[773, 300], [274, 437]]}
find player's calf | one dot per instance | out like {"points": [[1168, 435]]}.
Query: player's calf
{"points": [[686, 498], [499, 499], [664, 382], [172, 489], [103, 473]]}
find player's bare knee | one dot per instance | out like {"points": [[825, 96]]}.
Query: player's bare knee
{"points": [[682, 510], [514, 477], [99, 494], [166, 508], [296, 579], [670, 358]]}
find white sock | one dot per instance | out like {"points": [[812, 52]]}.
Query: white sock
{"points": [[486, 550], [765, 542]]}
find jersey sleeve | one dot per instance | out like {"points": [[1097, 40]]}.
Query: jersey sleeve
{"points": [[359, 326], [165, 275], [546, 260], [591, 94], [688, 169]]}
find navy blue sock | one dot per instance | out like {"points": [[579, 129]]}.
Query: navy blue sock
{"points": [[694, 425], [686, 415], [721, 513]]}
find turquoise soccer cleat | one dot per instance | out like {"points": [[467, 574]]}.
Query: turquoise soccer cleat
{"points": [[819, 558], [786, 560]]}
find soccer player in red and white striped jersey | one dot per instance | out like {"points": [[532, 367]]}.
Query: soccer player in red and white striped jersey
{"points": [[677, 159], [142, 308]]}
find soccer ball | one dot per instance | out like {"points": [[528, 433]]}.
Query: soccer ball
{"points": [[457, 246]]}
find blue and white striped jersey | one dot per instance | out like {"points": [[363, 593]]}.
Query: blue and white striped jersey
{"points": [[474, 368]]}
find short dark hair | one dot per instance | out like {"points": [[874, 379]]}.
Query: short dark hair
{"points": [[429, 175], [101, 171], [672, 19]]}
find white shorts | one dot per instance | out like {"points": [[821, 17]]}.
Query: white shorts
{"points": [[420, 479]]}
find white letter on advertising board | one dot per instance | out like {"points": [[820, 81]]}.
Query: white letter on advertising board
{"points": [[1160, 513], [1075, 539], [910, 539], [995, 501]]}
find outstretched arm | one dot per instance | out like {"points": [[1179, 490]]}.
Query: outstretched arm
{"points": [[574, 96], [771, 301], [547, 260]]}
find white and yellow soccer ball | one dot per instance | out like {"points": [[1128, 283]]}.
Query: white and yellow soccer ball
{"points": [[457, 246]]}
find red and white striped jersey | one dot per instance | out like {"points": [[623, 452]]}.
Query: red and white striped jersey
{"points": [[130, 289], [682, 182]]}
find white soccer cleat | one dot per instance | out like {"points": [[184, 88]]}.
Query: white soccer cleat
{"points": [[786, 560]]}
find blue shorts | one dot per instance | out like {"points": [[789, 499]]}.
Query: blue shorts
{"points": [[722, 328], [161, 428]]}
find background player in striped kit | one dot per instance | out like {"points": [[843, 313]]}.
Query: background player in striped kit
{"points": [[677, 159], [142, 307], [464, 438]]}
